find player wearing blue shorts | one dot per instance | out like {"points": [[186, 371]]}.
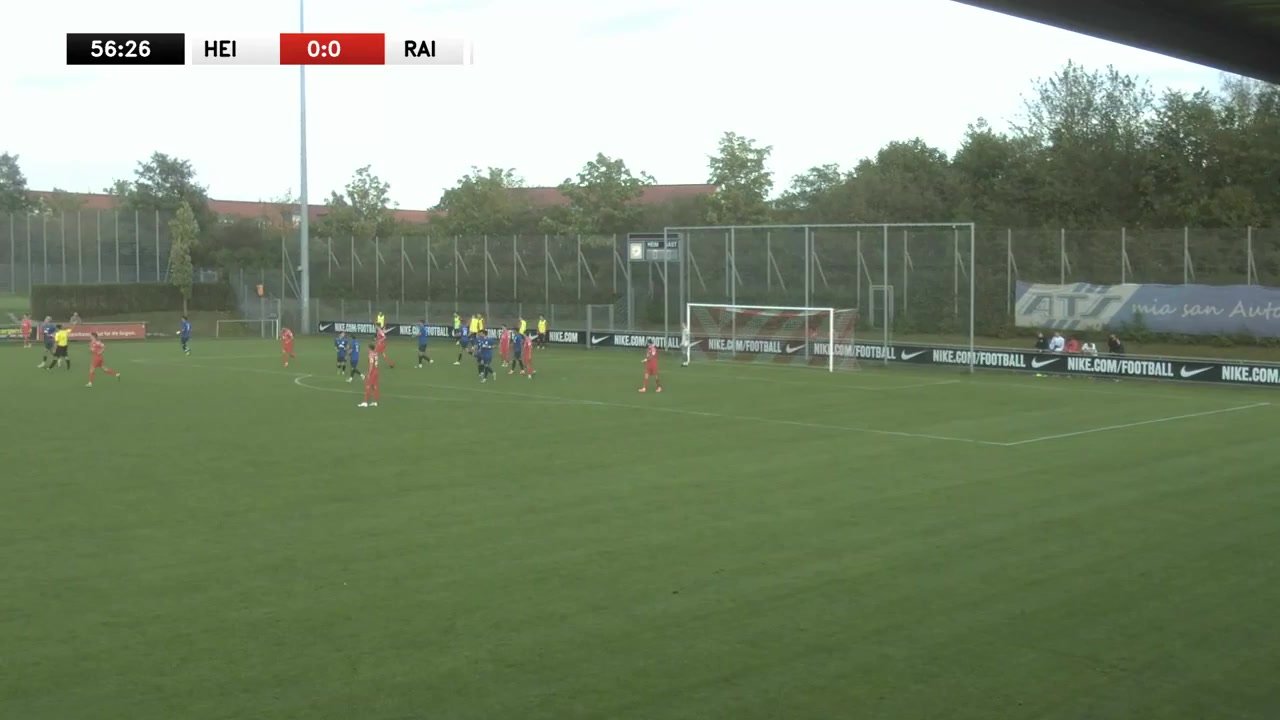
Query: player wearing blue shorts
{"points": [[517, 352], [47, 330], [484, 355], [184, 333], [353, 354], [422, 344], [464, 343], [340, 345]]}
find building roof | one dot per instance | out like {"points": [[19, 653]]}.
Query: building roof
{"points": [[1239, 36], [249, 209], [650, 195]]}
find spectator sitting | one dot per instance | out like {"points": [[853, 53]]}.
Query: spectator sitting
{"points": [[1042, 343], [1089, 349], [1073, 345], [1114, 345], [1057, 343]]}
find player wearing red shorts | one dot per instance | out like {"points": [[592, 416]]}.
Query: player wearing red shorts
{"points": [[371, 381], [286, 346], [528, 357], [380, 347], [26, 330], [97, 348], [651, 368], [504, 346]]}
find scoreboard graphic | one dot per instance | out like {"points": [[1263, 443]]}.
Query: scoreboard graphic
{"points": [[275, 49]]}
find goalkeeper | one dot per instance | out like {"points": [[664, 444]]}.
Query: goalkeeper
{"points": [[686, 344]]}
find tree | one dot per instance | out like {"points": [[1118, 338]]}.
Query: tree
{"points": [[61, 202], [482, 203], [184, 233], [740, 172], [906, 182], [14, 197], [818, 195], [601, 199], [163, 184], [362, 211]]}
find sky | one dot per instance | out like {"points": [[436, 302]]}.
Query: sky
{"points": [[655, 83]]}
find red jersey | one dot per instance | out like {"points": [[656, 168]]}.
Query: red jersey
{"points": [[528, 346], [381, 344], [651, 355], [373, 362], [97, 348], [26, 326], [287, 336], [506, 340]]}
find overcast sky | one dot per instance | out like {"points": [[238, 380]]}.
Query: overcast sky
{"points": [[556, 81]]}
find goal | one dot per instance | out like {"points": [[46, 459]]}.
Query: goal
{"points": [[817, 337], [265, 328]]}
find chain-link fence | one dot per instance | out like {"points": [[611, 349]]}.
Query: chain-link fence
{"points": [[918, 273]]}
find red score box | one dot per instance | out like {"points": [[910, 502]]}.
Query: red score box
{"points": [[333, 49]]}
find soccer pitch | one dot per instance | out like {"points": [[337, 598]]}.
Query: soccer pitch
{"points": [[216, 536]]}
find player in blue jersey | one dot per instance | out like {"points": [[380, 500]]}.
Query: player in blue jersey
{"points": [[422, 344], [47, 330], [353, 354], [517, 352], [464, 342], [340, 345], [184, 333], [484, 355]]}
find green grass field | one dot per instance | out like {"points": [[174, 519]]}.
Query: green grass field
{"points": [[218, 537]]}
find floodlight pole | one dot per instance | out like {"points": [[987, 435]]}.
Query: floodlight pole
{"points": [[304, 255]]}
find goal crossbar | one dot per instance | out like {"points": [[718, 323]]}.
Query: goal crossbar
{"points": [[828, 313]]}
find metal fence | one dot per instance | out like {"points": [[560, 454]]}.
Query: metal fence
{"points": [[418, 276]]}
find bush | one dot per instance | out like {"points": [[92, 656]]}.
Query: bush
{"points": [[90, 301]]}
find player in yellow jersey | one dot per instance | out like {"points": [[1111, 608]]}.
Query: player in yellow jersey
{"points": [[542, 331], [474, 325], [382, 320], [61, 341], [524, 326]]}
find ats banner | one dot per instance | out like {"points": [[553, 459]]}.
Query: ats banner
{"points": [[1182, 309]]}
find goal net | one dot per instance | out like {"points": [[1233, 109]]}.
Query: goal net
{"points": [[816, 337], [266, 328]]}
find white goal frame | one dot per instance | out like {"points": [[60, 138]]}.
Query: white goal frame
{"points": [[828, 312], [269, 327]]}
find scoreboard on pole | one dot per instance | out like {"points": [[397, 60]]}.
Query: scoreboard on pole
{"points": [[266, 49], [653, 247]]}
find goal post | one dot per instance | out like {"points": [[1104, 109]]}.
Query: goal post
{"points": [[787, 335], [264, 328], [914, 284]]}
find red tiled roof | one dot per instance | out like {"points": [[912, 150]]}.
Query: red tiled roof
{"points": [[651, 195], [537, 196]]}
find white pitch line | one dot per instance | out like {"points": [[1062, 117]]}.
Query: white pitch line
{"points": [[1125, 426]]}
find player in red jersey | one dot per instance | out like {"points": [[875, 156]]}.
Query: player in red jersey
{"points": [[504, 346], [380, 347], [651, 368], [97, 348], [371, 380], [26, 330], [286, 346], [528, 357]]}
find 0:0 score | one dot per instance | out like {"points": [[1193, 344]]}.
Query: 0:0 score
{"points": [[332, 49]]}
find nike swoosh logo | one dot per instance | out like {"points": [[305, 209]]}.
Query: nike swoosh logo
{"points": [[1037, 364], [598, 340], [794, 348], [326, 328], [910, 355], [1192, 373]]}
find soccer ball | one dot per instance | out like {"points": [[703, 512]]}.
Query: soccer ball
{"points": [[684, 363]]}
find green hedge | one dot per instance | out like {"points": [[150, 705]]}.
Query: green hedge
{"points": [[60, 301]]}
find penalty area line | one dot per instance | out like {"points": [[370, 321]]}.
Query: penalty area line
{"points": [[1140, 423]]}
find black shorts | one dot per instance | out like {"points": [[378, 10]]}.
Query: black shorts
{"points": [[60, 351]]}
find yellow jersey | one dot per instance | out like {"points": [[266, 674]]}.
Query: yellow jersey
{"points": [[524, 326], [481, 323], [542, 327], [382, 320], [62, 337], [475, 325]]}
